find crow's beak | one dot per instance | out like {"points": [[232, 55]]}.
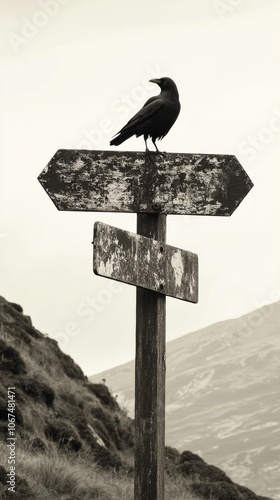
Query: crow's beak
{"points": [[155, 80]]}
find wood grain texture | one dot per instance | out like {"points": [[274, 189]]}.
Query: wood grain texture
{"points": [[150, 379], [172, 183], [141, 261]]}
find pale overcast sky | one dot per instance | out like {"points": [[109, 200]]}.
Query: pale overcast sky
{"points": [[72, 74]]}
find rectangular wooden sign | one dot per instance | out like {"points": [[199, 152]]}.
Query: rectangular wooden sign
{"points": [[145, 262]]}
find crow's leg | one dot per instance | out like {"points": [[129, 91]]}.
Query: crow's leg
{"points": [[158, 152], [147, 150], [150, 155], [154, 143]]}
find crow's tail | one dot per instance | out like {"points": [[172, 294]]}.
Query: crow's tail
{"points": [[121, 137]]}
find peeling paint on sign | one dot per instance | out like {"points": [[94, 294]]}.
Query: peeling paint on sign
{"points": [[145, 262], [173, 183], [177, 265]]}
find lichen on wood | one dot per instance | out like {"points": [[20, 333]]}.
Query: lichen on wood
{"points": [[171, 183], [146, 262]]}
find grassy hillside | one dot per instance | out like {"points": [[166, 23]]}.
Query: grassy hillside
{"points": [[74, 442]]}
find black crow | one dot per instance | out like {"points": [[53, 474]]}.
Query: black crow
{"points": [[156, 117]]}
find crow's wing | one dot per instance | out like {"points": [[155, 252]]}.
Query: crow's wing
{"points": [[149, 109]]}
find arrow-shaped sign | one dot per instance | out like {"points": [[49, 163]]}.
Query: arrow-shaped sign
{"points": [[171, 183], [137, 260]]}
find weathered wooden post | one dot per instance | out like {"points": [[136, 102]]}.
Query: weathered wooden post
{"points": [[133, 182], [150, 376]]}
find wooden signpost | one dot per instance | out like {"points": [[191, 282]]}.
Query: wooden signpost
{"points": [[134, 182]]}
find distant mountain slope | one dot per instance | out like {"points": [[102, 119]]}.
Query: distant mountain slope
{"points": [[223, 396]]}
